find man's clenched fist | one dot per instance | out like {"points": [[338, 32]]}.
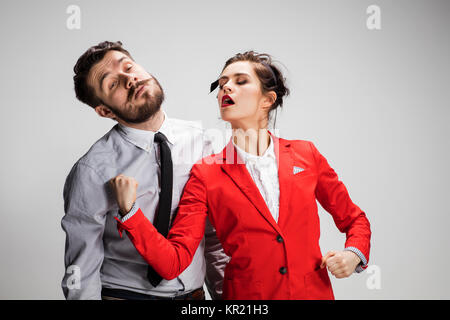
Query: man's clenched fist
{"points": [[125, 190]]}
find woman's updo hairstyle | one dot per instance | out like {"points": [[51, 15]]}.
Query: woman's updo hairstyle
{"points": [[269, 75]]}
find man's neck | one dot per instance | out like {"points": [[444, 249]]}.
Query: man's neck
{"points": [[152, 124]]}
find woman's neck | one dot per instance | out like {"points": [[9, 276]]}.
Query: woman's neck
{"points": [[253, 140]]}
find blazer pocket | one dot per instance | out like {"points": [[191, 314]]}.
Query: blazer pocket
{"points": [[305, 173], [318, 285]]}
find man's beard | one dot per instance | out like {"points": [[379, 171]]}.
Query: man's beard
{"points": [[143, 112]]}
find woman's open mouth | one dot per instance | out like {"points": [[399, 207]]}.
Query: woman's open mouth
{"points": [[226, 101]]}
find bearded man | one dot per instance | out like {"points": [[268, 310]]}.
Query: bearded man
{"points": [[100, 262]]}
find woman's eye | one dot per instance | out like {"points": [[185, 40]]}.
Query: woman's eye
{"points": [[112, 85], [241, 82]]}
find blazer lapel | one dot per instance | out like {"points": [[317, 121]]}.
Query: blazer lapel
{"points": [[285, 163], [235, 168]]}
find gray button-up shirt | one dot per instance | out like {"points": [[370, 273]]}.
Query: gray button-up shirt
{"points": [[95, 255]]}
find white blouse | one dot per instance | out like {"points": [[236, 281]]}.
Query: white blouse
{"points": [[264, 172]]}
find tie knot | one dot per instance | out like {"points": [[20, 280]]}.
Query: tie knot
{"points": [[159, 137]]}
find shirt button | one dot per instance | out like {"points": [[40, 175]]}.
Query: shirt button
{"points": [[279, 238], [283, 270]]}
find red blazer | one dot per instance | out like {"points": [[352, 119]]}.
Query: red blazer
{"points": [[269, 260]]}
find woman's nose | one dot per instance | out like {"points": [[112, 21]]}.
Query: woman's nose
{"points": [[227, 88]]}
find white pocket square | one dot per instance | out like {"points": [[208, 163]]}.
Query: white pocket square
{"points": [[298, 170]]}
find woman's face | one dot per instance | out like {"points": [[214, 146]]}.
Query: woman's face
{"points": [[240, 98]]}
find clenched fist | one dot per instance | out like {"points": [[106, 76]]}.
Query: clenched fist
{"points": [[341, 264], [125, 190]]}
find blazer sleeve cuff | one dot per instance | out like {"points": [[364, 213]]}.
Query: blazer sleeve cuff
{"points": [[363, 263], [130, 221]]}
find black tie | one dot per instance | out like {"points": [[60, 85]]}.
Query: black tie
{"points": [[162, 216]]}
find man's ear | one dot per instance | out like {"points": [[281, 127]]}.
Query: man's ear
{"points": [[104, 112]]}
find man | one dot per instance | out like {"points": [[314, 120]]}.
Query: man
{"points": [[100, 262]]}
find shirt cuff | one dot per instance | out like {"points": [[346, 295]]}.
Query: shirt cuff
{"points": [[363, 264], [132, 221], [130, 213]]}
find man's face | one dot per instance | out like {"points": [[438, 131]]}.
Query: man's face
{"points": [[125, 88]]}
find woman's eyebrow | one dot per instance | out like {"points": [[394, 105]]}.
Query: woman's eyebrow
{"points": [[235, 75]]}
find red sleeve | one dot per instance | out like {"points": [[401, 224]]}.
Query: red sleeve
{"points": [[169, 257], [334, 198]]}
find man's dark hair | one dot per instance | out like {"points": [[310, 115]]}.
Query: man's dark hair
{"points": [[94, 54]]}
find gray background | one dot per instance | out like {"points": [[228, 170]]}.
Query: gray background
{"points": [[375, 103]]}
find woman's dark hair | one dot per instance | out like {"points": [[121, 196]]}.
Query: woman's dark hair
{"points": [[269, 74], [94, 54]]}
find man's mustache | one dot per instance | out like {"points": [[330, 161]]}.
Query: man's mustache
{"points": [[136, 85]]}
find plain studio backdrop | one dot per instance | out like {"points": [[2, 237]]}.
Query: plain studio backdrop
{"points": [[374, 101]]}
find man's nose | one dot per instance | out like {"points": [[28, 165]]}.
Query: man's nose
{"points": [[129, 81]]}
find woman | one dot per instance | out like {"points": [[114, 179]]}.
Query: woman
{"points": [[260, 194]]}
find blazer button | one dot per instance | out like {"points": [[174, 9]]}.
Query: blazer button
{"points": [[279, 238], [283, 270]]}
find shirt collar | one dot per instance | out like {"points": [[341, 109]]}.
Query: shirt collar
{"points": [[144, 138], [166, 129], [248, 157]]}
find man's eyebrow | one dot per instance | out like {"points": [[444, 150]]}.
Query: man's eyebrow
{"points": [[107, 73]]}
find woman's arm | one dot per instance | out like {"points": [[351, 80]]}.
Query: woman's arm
{"points": [[348, 217], [169, 257]]}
